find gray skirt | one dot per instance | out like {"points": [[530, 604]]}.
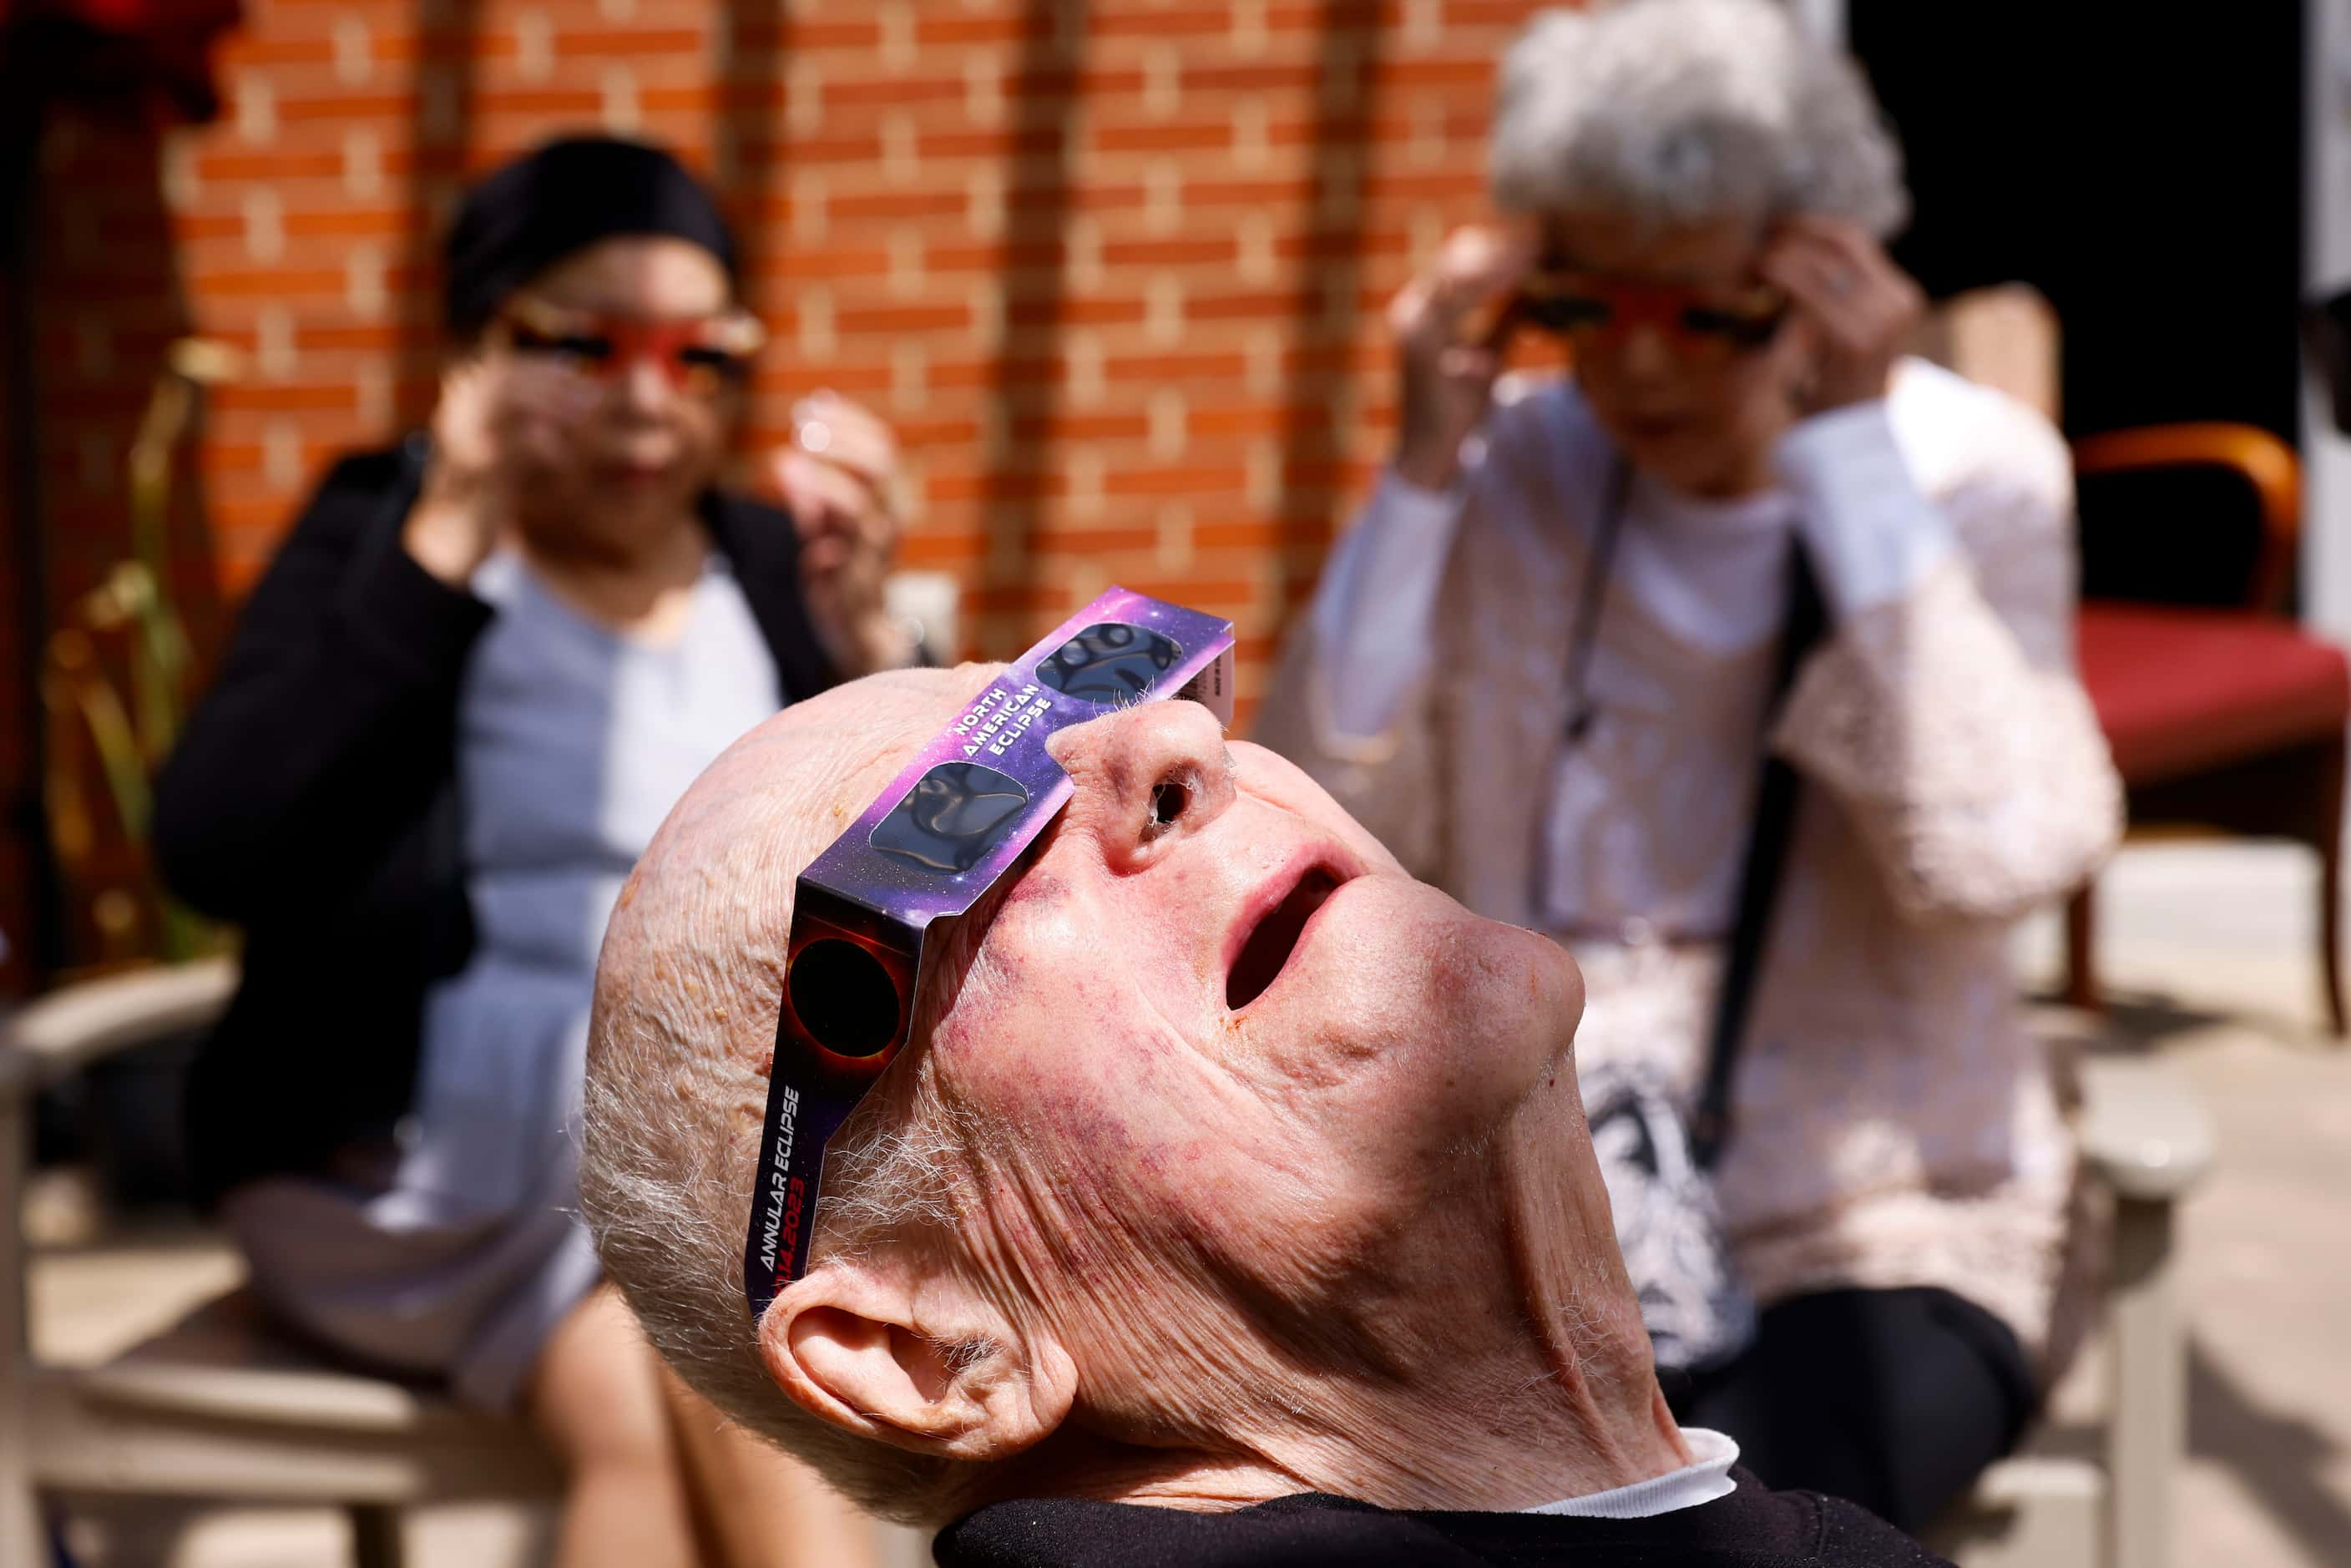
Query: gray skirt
{"points": [[353, 1262], [453, 1253]]}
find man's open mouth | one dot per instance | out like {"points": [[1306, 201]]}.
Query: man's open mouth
{"points": [[1275, 938]]}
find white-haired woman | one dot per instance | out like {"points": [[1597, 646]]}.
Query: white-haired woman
{"points": [[1546, 667]]}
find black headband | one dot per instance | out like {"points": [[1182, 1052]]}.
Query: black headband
{"points": [[546, 205]]}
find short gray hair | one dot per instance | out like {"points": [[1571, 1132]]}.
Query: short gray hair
{"points": [[1685, 112], [668, 1193], [679, 1052]]}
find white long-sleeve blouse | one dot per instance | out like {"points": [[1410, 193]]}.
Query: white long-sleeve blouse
{"points": [[1894, 1122]]}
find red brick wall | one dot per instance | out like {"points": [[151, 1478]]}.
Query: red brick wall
{"points": [[1116, 271]]}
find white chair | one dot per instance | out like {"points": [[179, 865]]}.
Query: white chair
{"points": [[218, 1406], [2145, 1139], [2147, 1142], [221, 1406]]}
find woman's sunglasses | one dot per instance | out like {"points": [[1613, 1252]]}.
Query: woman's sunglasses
{"points": [[696, 354], [1595, 309]]}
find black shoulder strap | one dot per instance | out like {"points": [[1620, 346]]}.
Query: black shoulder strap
{"points": [[1584, 635], [1759, 875]]}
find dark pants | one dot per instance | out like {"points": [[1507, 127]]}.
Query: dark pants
{"points": [[1894, 1399]]}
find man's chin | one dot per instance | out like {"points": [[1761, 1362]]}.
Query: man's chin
{"points": [[1469, 1013], [1555, 984], [1518, 1016]]}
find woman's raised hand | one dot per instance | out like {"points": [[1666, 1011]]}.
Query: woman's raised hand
{"points": [[1447, 323], [839, 479], [498, 421], [1861, 306]]}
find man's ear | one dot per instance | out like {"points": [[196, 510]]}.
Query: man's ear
{"points": [[919, 1363]]}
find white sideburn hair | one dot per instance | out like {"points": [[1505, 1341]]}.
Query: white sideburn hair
{"points": [[1680, 112], [680, 1045], [665, 1185]]}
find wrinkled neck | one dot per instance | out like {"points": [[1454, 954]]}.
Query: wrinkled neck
{"points": [[1541, 1388], [1580, 1312]]}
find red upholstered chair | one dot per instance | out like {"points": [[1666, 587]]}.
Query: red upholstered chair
{"points": [[2222, 711]]}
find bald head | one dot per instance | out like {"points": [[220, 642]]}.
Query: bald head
{"points": [[1221, 1153], [688, 988]]}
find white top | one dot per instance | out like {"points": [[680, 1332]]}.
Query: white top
{"points": [[1701, 1480], [1896, 1124], [1706, 571], [573, 742]]}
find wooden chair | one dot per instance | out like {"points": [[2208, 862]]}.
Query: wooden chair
{"points": [[2223, 713]]}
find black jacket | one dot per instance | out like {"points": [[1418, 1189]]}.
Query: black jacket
{"points": [[313, 801], [1750, 1527]]}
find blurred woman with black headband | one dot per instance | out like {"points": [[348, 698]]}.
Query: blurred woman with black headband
{"points": [[1742, 661], [481, 669]]}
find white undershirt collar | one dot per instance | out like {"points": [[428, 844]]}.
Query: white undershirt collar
{"points": [[1704, 1478]]}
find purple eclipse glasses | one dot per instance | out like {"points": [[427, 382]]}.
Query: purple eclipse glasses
{"points": [[947, 827]]}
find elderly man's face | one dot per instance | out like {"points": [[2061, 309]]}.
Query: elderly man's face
{"points": [[1216, 1128], [1218, 1044]]}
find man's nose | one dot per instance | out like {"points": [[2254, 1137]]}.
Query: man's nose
{"points": [[1147, 778]]}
